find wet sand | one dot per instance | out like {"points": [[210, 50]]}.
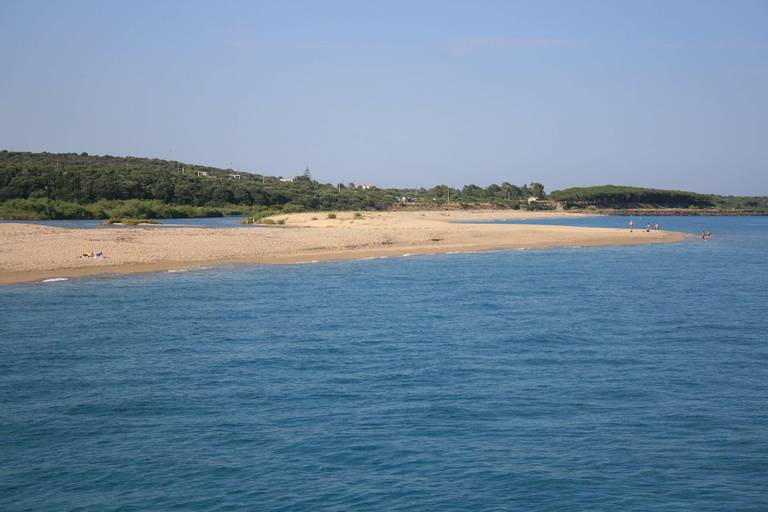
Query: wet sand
{"points": [[34, 253]]}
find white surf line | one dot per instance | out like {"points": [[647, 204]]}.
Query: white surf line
{"points": [[185, 269]]}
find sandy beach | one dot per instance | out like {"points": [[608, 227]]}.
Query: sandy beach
{"points": [[34, 253]]}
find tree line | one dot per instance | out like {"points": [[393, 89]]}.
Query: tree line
{"points": [[612, 196], [82, 179], [621, 197], [78, 185]]}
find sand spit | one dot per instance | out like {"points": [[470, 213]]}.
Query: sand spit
{"points": [[35, 253]]}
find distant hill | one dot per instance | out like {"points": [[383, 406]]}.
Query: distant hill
{"points": [[83, 178], [81, 186], [613, 196], [622, 197], [31, 181]]}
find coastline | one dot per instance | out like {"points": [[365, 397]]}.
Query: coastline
{"points": [[32, 253], [673, 212]]}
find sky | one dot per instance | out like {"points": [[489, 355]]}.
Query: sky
{"points": [[668, 94]]}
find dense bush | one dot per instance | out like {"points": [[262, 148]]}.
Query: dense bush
{"points": [[31, 209], [81, 179], [612, 196]]}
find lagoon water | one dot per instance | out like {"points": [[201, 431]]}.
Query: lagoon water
{"points": [[230, 221], [617, 378]]}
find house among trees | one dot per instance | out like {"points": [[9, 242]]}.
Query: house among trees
{"points": [[233, 175], [286, 180], [543, 203], [365, 186], [204, 173]]}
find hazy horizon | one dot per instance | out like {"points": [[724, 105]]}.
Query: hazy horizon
{"points": [[654, 94]]}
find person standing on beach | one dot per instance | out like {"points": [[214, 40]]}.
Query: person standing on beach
{"points": [[631, 225]]}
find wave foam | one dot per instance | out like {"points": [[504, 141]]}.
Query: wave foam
{"points": [[185, 269]]}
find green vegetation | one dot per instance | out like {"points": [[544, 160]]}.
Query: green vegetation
{"points": [[754, 203], [612, 196], [82, 186], [260, 217], [38, 209], [269, 221], [129, 221]]}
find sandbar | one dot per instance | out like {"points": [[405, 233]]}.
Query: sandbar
{"points": [[33, 252]]}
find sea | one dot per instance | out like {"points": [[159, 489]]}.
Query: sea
{"points": [[628, 378]]}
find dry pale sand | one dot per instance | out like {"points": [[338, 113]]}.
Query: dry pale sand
{"points": [[33, 252]]}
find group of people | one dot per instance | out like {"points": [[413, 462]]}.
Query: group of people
{"points": [[648, 227], [93, 255], [705, 235]]}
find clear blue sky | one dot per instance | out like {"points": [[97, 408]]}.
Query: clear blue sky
{"points": [[652, 93]]}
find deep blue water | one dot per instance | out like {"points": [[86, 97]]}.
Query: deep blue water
{"points": [[618, 378]]}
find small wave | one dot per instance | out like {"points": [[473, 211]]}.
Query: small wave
{"points": [[185, 269], [55, 280], [373, 258], [406, 255]]}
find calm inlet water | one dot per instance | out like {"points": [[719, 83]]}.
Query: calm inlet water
{"points": [[232, 221], [624, 378]]}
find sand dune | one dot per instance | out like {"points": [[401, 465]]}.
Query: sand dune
{"points": [[33, 252]]}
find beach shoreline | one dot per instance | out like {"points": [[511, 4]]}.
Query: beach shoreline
{"points": [[33, 253]]}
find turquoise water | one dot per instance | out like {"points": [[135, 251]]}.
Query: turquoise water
{"points": [[619, 378]]}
